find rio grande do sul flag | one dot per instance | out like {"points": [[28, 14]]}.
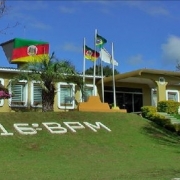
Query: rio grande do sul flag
{"points": [[91, 54], [23, 50]]}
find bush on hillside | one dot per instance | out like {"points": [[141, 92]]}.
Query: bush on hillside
{"points": [[171, 127], [170, 106], [177, 128], [158, 119], [150, 112], [148, 109]]}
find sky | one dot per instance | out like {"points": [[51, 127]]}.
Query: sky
{"points": [[145, 34]]}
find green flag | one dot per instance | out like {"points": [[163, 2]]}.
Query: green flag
{"points": [[100, 41]]}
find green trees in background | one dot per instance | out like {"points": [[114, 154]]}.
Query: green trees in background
{"points": [[107, 71]]}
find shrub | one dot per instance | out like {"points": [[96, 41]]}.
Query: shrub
{"points": [[146, 110], [150, 112], [158, 119], [170, 106], [177, 128]]}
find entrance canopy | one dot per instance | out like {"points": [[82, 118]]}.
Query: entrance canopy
{"points": [[146, 76]]}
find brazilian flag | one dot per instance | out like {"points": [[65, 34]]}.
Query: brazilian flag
{"points": [[100, 41]]}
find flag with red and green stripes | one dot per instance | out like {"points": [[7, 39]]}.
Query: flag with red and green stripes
{"points": [[91, 54], [23, 50]]}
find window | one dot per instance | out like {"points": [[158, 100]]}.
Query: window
{"points": [[88, 91], [36, 94], [19, 94], [1, 100], [172, 95], [66, 96], [154, 97]]}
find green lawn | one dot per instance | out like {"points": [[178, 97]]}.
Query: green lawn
{"points": [[134, 149]]}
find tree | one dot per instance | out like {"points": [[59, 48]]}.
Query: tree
{"points": [[2, 7], [47, 73], [178, 66], [107, 71], [3, 10]]}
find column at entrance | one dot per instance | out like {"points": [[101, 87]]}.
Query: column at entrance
{"points": [[161, 90]]}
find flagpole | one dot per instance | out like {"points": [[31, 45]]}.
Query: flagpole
{"points": [[84, 62], [94, 76], [102, 79], [114, 88]]}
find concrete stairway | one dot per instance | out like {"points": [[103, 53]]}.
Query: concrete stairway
{"points": [[172, 118]]}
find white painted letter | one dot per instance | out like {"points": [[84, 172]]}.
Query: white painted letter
{"points": [[25, 129], [97, 126], [5, 133], [74, 125], [55, 128]]}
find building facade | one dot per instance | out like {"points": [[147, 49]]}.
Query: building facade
{"points": [[143, 87], [132, 91], [27, 96]]}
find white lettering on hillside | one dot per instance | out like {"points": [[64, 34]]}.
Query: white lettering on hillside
{"points": [[25, 129], [55, 128], [97, 126], [52, 127], [4, 132], [74, 125]]}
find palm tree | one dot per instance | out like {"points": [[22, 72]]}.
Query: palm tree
{"points": [[47, 73]]}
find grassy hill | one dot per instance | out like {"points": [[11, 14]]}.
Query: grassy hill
{"points": [[134, 149]]}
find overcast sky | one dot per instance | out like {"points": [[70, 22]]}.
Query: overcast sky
{"points": [[145, 34]]}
